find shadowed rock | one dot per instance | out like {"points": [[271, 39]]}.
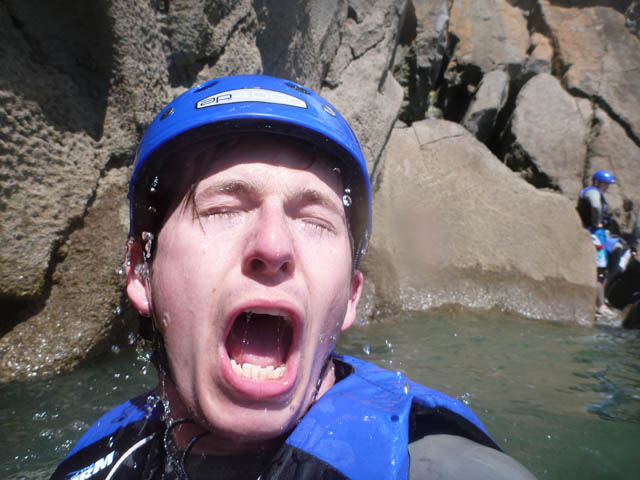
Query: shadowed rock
{"points": [[486, 104]]}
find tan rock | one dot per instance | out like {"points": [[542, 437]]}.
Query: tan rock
{"points": [[491, 35], [462, 229], [601, 57], [548, 134], [82, 315]]}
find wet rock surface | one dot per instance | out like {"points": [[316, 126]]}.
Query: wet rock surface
{"points": [[549, 88]]}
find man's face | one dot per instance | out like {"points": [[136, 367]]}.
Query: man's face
{"points": [[251, 283], [602, 186]]}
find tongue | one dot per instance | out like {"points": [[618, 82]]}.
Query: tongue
{"points": [[259, 339]]}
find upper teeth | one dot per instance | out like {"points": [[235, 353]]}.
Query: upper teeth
{"points": [[257, 372], [276, 312]]}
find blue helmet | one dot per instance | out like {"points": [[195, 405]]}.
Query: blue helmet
{"points": [[604, 176], [245, 104]]}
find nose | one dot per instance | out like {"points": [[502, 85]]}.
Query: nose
{"points": [[270, 251]]}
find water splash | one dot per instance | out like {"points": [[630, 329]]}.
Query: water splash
{"points": [[367, 349], [115, 349]]}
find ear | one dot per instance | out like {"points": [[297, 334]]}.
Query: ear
{"points": [[136, 284], [352, 307]]}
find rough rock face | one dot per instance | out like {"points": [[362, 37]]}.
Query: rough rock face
{"points": [[463, 229], [486, 35], [84, 312], [601, 58], [550, 86], [357, 82]]}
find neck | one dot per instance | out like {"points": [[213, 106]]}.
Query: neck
{"points": [[185, 427]]}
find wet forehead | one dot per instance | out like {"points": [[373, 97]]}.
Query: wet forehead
{"points": [[264, 167]]}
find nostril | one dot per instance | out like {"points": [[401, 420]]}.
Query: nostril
{"points": [[257, 264]]}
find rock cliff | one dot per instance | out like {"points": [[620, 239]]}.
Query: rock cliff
{"points": [[480, 120]]}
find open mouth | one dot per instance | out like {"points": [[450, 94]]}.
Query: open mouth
{"points": [[259, 342]]}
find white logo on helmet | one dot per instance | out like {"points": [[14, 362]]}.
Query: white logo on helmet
{"points": [[243, 95]]}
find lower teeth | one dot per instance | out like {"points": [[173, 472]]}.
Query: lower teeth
{"points": [[255, 372]]}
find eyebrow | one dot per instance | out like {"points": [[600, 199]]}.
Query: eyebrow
{"points": [[309, 196], [229, 187]]}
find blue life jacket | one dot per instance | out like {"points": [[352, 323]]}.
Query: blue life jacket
{"points": [[584, 207], [360, 428]]}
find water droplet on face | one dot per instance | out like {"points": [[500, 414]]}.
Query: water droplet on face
{"points": [[115, 349], [346, 200], [292, 408], [367, 350]]}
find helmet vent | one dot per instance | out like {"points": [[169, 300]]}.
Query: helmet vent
{"points": [[166, 113], [206, 85], [297, 88]]}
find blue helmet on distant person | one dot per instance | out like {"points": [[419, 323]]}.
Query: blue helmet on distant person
{"points": [[246, 104], [604, 176]]}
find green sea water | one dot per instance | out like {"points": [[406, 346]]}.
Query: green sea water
{"points": [[564, 400]]}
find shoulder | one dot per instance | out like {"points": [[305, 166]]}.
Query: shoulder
{"points": [[592, 194], [141, 408], [453, 457]]}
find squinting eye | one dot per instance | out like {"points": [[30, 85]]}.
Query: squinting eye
{"points": [[317, 225], [219, 214]]}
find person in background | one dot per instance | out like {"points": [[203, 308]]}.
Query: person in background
{"points": [[250, 212], [593, 211]]}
